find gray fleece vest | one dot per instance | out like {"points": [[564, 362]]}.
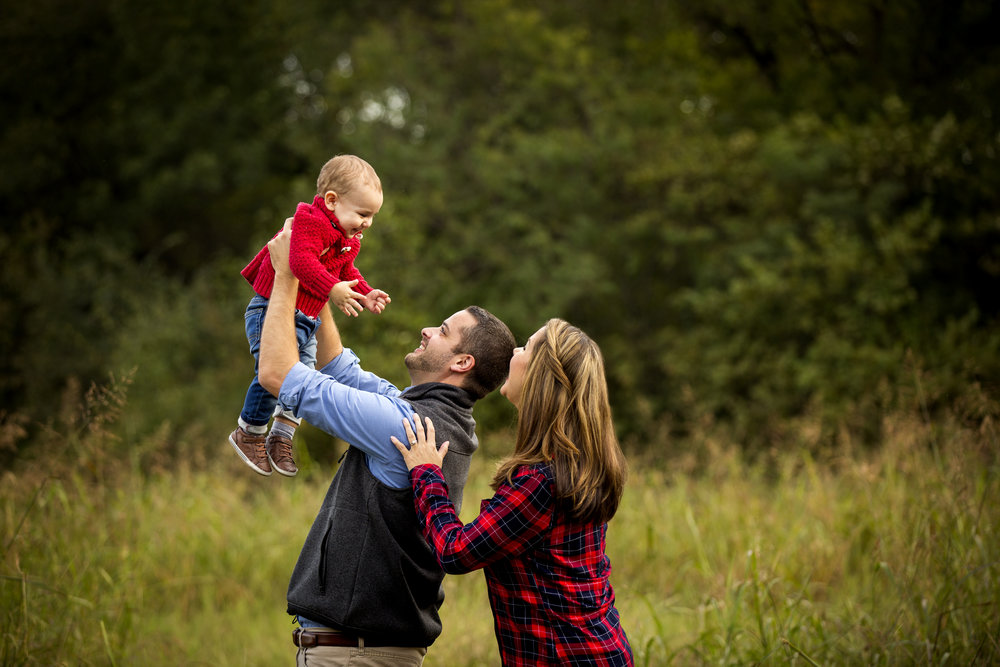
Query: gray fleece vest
{"points": [[365, 567]]}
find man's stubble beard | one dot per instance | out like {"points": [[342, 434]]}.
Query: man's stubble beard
{"points": [[425, 363]]}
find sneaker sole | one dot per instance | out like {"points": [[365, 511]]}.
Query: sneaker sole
{"points": [[278, 470], [250, 463]]}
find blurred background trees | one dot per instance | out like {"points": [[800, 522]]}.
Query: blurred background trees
{"points": [[762, 211]]}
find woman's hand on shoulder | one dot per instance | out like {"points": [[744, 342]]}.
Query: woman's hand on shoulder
{"points": [[422, 448]]}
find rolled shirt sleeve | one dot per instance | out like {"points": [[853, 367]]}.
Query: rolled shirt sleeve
{"points": [[356, 406]]}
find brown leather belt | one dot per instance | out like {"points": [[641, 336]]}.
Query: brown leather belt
{"points": [[305, 638]]}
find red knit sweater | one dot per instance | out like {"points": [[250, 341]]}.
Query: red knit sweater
{"points": [[320, 257]]}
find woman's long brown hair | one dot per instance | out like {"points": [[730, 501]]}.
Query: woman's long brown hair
{"points": [[564, 420]]}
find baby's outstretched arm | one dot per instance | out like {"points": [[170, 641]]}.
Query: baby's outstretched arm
{"points": [[376, 301], [346, 299]]}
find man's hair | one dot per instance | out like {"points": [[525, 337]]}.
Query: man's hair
{"points": [[491, 344], [343, 173]]}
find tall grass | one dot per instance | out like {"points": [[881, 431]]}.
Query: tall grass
{"points": [[881, 558], [121, 553]]}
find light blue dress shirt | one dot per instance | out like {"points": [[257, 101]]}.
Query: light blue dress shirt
{"points": [[356, 406]]}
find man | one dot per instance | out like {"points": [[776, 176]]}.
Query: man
{"points": [[366, 583]]}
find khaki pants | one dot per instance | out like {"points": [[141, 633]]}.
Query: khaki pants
{"points": [[354, 656]]}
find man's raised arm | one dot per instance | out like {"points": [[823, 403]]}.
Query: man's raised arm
{"points": [[328, 343], [279, 349]]}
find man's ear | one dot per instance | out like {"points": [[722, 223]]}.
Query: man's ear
{"points": [[330, 199], [463, 363]]}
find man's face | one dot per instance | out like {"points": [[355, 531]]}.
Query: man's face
{"points": [[432, 359], [356, 210]]}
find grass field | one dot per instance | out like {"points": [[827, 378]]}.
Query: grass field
{"points": [[879, 557]]}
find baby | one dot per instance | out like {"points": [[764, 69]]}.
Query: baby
{"points": [[326, 237]]}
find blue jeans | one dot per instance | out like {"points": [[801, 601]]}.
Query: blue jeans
{"points": [[259, 405]]}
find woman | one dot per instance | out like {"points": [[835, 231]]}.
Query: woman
{"points": [[541, 538]]}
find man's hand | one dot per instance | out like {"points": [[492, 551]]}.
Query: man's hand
{"points": [[376, 301], [346, 299], [278, 248]]}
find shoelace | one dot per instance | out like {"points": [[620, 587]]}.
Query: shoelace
{"points": [[260, 450], [282, 450]]}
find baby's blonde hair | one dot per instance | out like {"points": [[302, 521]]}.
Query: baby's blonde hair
{"points": [[343, 173]]}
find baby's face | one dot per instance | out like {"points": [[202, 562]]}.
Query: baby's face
{"points": [[355, 210]]}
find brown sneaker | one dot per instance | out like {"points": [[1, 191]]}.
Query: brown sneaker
{"points": [[279, 451], [251, 449]]}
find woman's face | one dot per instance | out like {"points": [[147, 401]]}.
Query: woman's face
{"points": [[511, 389]]}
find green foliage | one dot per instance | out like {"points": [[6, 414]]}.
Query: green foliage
{"points": [[60, 311], [760, 211], [138, 139], [779, 220]]}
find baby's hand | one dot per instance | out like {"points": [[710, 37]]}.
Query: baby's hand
{"points": [[376, 301], [343, 296]]}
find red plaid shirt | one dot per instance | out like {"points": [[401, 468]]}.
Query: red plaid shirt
{"points": [[547, 577]]}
